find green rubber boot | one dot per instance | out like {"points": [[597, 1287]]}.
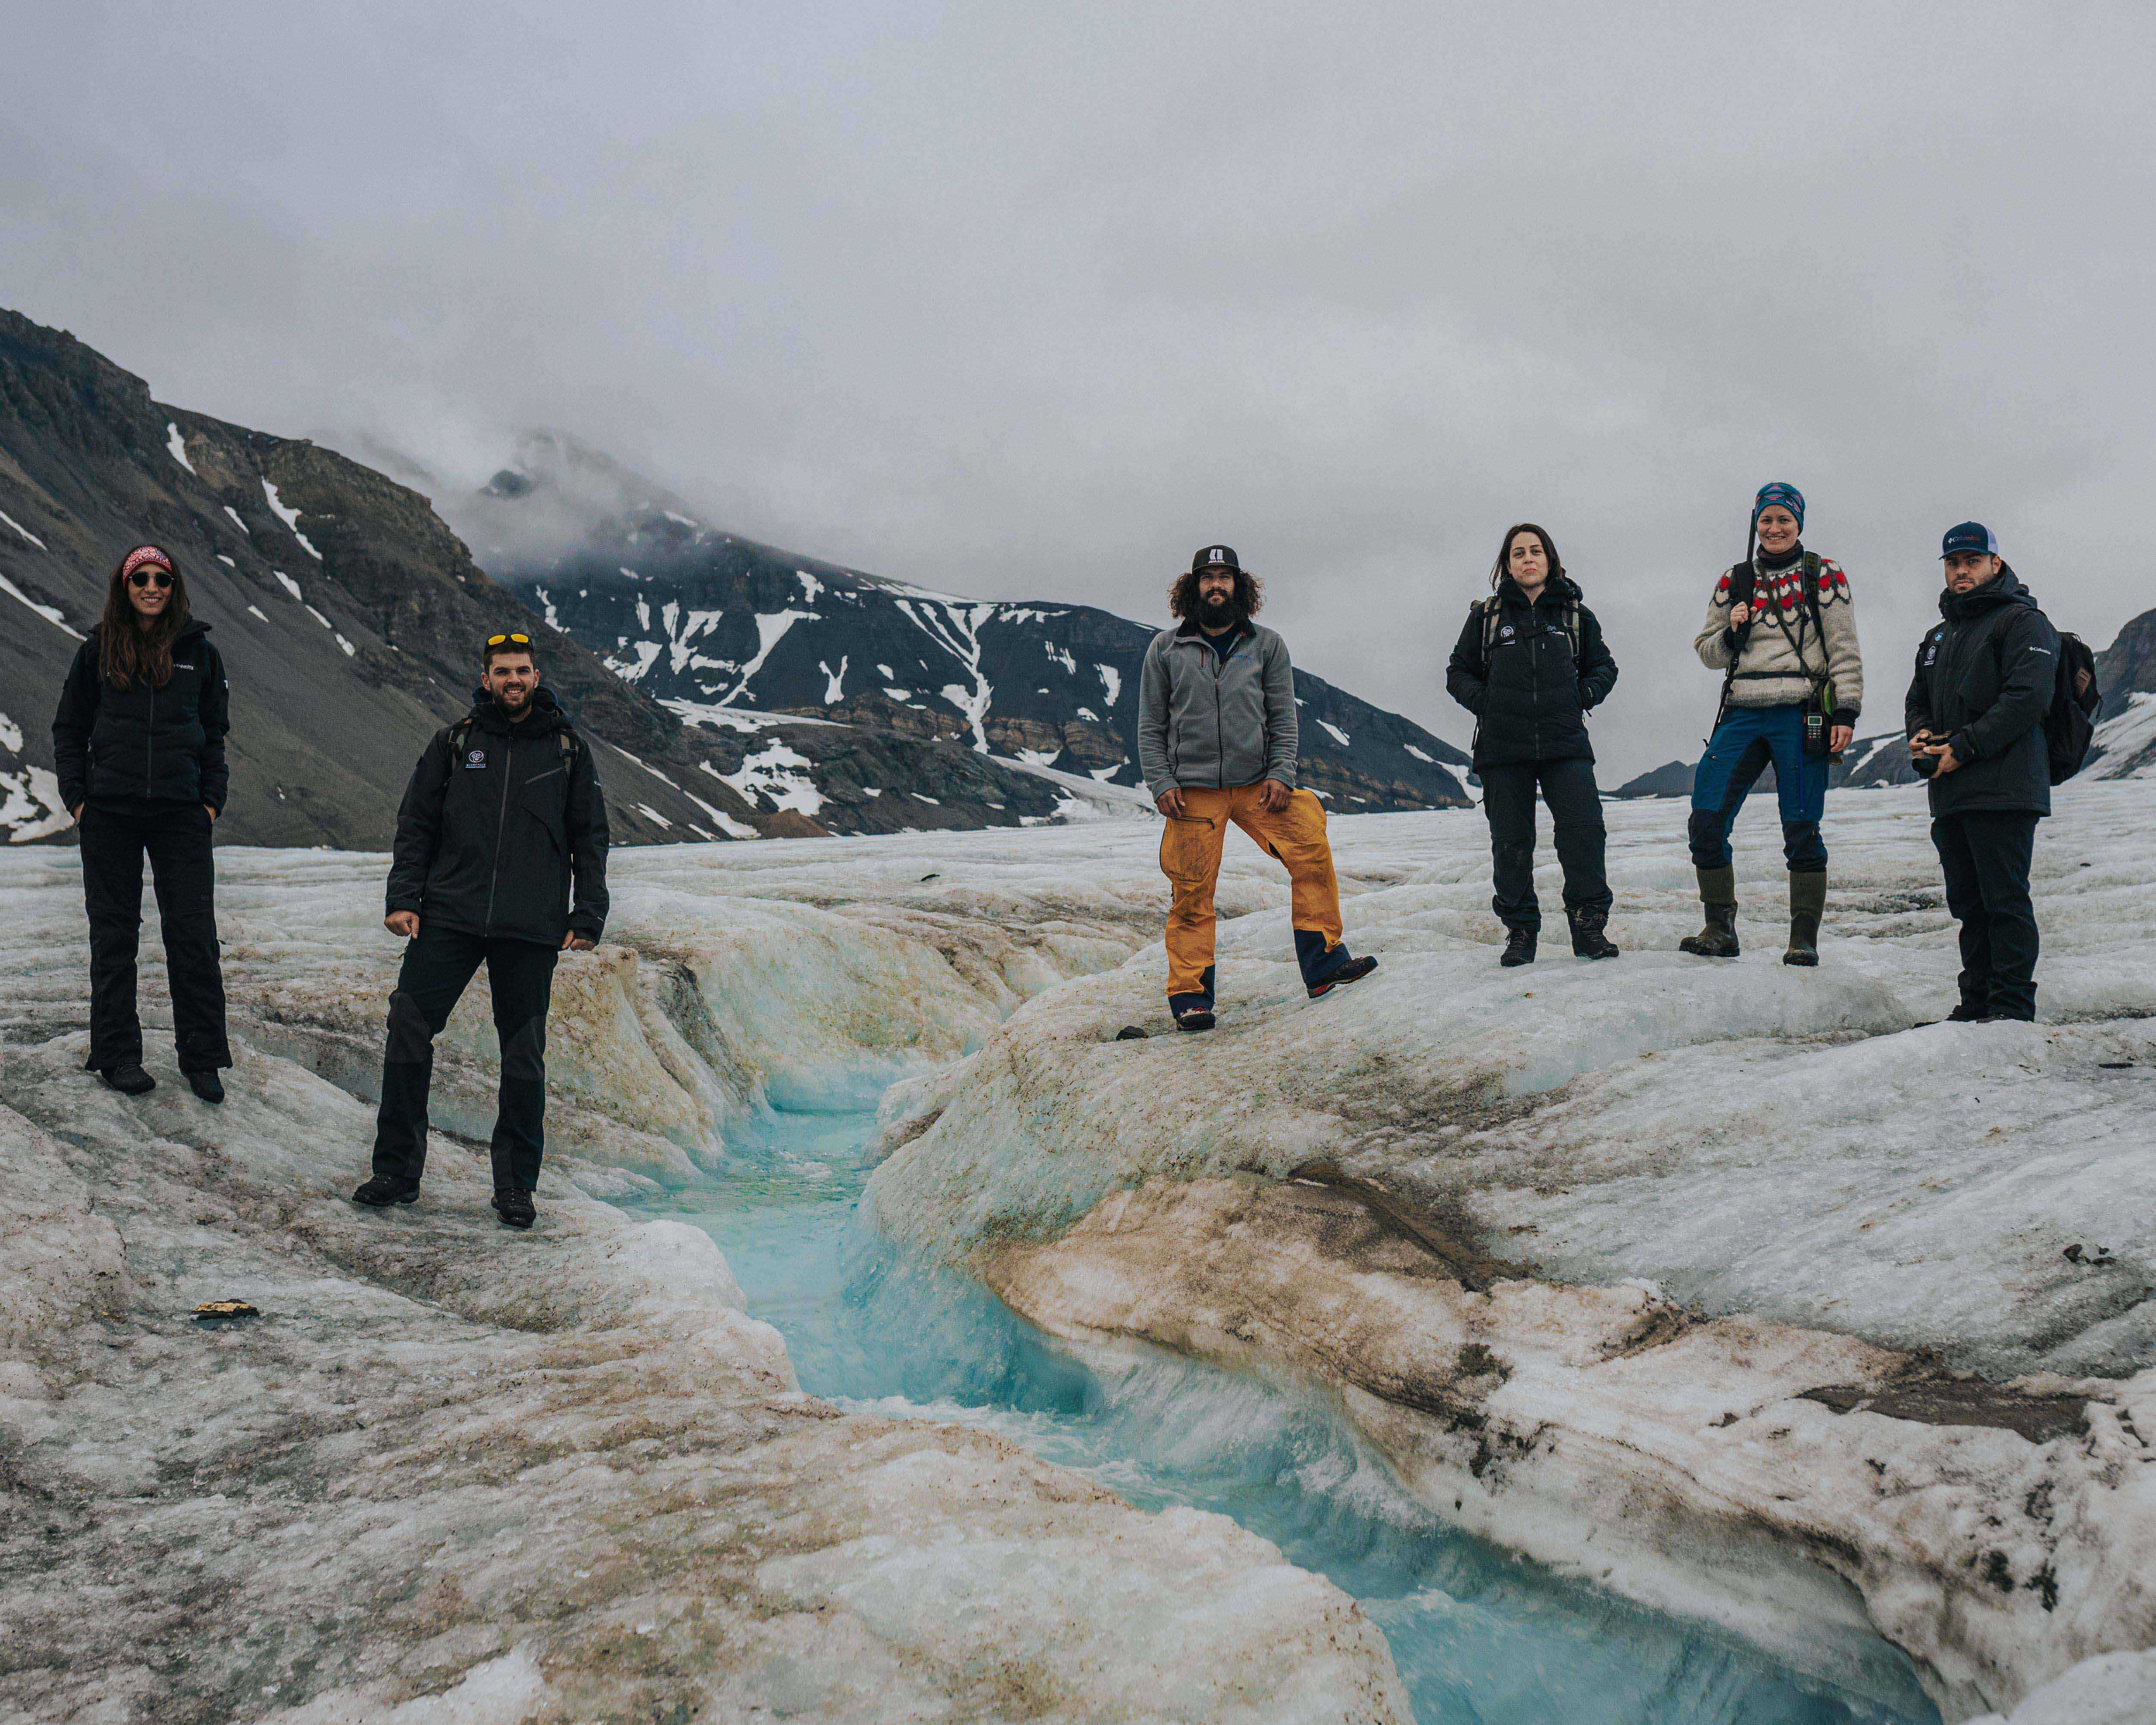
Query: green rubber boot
{"points": [[1718, 892], [1807, 905]]}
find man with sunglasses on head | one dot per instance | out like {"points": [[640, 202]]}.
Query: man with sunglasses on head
{"points": [[501, 858]]}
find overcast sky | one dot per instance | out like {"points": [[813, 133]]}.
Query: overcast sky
{"points": [[1026, 300]]}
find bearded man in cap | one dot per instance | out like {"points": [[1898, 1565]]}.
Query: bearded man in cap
{"points": [[1984, 679], [1216, 743]]}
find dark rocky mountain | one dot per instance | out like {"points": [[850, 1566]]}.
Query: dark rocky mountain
{"points": [[725, 633], [1672, 780], [2125, 739], [2125, 744], [349, 616]]}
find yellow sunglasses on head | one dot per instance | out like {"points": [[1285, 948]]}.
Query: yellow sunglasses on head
{"points": [[520, 640]]}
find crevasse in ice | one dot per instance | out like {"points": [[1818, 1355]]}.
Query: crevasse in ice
{"points": [[1657, 1272]]}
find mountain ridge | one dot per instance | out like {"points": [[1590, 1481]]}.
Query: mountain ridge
{"points": [[349, 615], [715, 625]]}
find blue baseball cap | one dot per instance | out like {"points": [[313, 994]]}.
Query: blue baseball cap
{"points": [[1969, 536]]}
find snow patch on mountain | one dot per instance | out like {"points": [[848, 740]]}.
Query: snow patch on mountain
{"points": [[10, 520], [30, 806], [779, 771], [290, 517], [2127, 740], [51, 614]]}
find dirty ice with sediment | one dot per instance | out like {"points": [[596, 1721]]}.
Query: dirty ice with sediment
{"points": [[1657, 1340]]}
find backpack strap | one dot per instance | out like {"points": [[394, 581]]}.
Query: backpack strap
{"points": [[1743, 582], [460, 734], [1491, 608]]}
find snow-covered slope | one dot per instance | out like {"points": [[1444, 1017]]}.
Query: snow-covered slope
{"points": [[713, 624], [450, 1474], [1667, 1271], [1661, 1270]]}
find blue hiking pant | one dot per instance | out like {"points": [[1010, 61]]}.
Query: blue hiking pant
{"points": [[1737, 754]]}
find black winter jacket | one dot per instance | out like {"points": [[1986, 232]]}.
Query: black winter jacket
{"points": [[1985, 678], [496, 823], [1531, 699], [142, 743]]}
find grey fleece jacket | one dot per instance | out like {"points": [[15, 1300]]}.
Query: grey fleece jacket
{"points": [[1205, 724]]}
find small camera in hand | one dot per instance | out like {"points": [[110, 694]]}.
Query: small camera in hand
{"points": [[1926, 765]]}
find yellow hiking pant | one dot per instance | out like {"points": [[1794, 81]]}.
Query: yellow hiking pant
{"points": [[1190, 857]]}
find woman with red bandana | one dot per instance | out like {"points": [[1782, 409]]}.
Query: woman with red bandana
{"points": [[138, 745], [1781, 629]]}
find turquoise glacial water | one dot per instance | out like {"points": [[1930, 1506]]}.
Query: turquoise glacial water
{"points": [[1481, 1638]]}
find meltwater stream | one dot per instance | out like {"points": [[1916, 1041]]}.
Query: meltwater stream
{"points": [[1481, 1638]]}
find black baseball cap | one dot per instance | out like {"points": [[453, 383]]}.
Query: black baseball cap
{"points": [[1214, 556], [1969, 536]]}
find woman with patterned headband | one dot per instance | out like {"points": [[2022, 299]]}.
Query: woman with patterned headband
{"points": [[1781, 628], [138, 746]]}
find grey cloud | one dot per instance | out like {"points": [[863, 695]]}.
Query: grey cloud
{"points": [[1030, 302]]}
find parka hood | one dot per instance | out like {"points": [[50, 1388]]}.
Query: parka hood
{"points": [[1557, 590], [2003, 588], [547, 713]]}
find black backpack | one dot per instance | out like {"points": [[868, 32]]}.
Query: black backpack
{"points": [[2070, 720]]}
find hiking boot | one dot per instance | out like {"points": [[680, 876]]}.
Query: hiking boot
{"points": [[1194, 1018], [1353, 971], [1969, 1012], [128, 1081], [385, 1189], [1519, 947], [1717, 894], [1588, 940], [514, 1205], [206, 1084], [1807, 905]]}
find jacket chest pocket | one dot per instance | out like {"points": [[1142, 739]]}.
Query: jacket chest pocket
{"points": [[544, 795], [475, 775], [179, 702]]}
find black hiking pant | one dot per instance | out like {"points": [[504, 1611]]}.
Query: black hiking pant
{"points": [[177, 841], [1575, 807], [1985, 860], [437, 967]]}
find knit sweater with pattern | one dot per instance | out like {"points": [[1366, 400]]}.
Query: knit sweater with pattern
{"points": [[1783, 655]]}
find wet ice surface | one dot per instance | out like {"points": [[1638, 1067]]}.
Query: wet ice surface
{"points": [[1778, 1146], [1477, 1635]]}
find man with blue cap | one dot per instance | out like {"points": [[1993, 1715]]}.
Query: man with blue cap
{"points": [[1781, 628], [1974, 715]]}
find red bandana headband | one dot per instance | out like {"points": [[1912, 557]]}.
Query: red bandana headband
{"points": [[145, 556]]}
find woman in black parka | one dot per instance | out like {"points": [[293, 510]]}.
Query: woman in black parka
{"points": [[1530, 665], [138, 744]]}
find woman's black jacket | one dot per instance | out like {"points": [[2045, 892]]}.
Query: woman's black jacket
{"points": [[1531, 696], [143, 743]]}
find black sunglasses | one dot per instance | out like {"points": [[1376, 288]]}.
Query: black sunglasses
{"points": [[520, 640], [143, 577]]}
